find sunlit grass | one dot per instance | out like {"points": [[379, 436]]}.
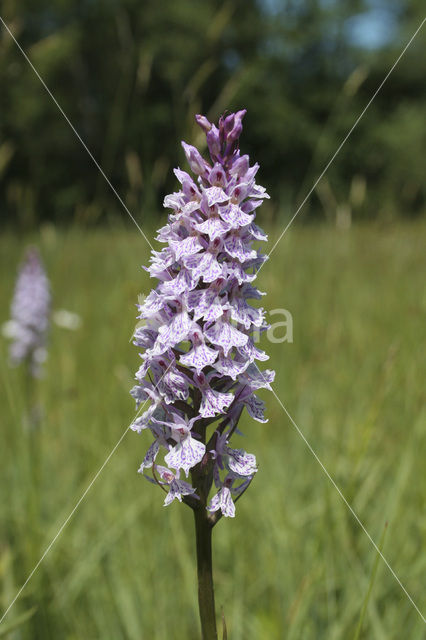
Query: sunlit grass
{"points": [[294, 564]]}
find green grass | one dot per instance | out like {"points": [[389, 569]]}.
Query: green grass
{"points": [[294, 564]]}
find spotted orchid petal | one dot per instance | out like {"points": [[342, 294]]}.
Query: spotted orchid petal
{"points": [[185, 454], [223, 501]]}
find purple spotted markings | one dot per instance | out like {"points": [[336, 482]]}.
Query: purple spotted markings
{"points": [[198, 352]]}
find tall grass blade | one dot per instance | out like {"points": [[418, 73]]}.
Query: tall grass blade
{"points": [[370, 586], [17, 622], [224, 629]]}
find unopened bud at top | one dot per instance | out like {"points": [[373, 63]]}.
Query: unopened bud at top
{"points": [[195, 159], [203, 122]]}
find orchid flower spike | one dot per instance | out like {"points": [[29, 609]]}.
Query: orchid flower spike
{"points": [[197, 336], [30, 313]]}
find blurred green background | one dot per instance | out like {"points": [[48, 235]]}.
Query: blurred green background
{"points": [[294, 564], [130, 75]]}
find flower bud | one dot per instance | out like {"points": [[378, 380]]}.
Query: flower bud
{"points": [[237, 129], [213, 142], [203, 123], [195, 159], [228, 124]]}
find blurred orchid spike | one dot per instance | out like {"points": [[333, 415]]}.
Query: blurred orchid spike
{"points": [[30, 312]]}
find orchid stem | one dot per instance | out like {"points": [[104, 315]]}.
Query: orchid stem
{"points": [[203, 538]]}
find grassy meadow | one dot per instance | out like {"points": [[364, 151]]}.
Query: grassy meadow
{"points": [[294, 564]]}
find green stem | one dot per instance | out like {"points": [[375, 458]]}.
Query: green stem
{"points": [[203, 537], [31, 426]]}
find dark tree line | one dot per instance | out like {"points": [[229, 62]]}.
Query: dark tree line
{"points": [[131, 75]]}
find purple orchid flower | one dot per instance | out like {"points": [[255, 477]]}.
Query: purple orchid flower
{"points": [[197, 341], [30, 312]]}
